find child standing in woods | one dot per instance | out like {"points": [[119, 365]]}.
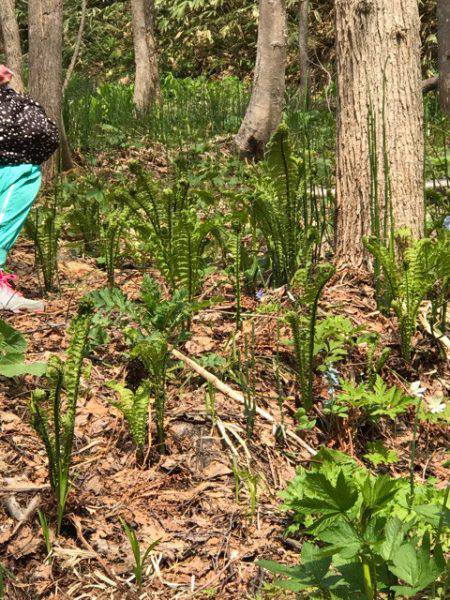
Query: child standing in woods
{"points": [[27, 139]]}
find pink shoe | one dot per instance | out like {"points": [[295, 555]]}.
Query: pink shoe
{"points": [[12, 300]]}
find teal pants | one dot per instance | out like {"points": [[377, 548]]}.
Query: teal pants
{"points": [[19, 186]]}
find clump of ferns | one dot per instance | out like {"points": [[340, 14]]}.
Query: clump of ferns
{"points": [[112, 225], [151, 327], [307, 288], [285, 209], [418, 267], [53, 409], [43, 227], [170, 231]]}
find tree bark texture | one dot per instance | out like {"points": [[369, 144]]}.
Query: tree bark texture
{"points": [[11, 40], [378, 49], [45, 60], [443, 10], [146, 86], [303, 14], [266, 104]]}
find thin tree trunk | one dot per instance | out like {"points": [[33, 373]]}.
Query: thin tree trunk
{"points": [[303, 15], [11, 39], [443, 11], [45, 59], [266, 104], [146, 86], [378, 50]]}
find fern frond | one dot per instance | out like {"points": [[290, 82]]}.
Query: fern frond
{"points": [[134, 407]]}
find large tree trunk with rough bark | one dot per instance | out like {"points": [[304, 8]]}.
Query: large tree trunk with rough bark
{"points": [[378, 55], [146, 86], [303, 15], [443, 9], [266, 104], [11, 40], [45, 59]]}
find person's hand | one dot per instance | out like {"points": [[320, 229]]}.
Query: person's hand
{"points": [[5, 75]]}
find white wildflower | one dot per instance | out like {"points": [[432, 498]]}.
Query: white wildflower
{"points": [[436, 404], [417, 390]]}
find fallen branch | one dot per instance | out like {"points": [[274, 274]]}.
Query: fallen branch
{"points": [[22, 488], [231, 393]]}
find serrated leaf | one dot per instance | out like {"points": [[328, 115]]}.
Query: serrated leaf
{"points": [[394, 534]]}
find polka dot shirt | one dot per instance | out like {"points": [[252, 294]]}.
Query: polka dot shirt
{"points": [[27, 135]]}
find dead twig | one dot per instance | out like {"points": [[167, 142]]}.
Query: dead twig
{"points": [[235, 395]]}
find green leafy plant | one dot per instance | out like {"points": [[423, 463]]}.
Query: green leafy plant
{"points": [[171, 231], [377, 357], [111, 230], [13, 346], [374, 403], [44, 228], [139, 558], [334, 335], [378, 454], [46, 533], [53, 417], [361, 548], [153, 352], [409, 279], [282, 211], [134, 407], [308, 287]]}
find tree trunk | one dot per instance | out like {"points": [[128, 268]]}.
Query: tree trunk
{"points": [[45, 59], [266, 104], [303, 14], [378, 56], [146, 86], [11, 40], [443, 10]]}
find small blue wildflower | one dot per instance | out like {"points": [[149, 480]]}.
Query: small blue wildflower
{"points": [[446, 222], [260, 294]]}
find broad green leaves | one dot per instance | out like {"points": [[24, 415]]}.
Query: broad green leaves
{"points": [[364, 549], [13, 347]]}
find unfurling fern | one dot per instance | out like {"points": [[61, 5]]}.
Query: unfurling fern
{"points": [[409, 279], [170, 231], [111, 230], [302, 321], [134, 407], [153, 352], [282, 209], [53, 410], [44, 228]]}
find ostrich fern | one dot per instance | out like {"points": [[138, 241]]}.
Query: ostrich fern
{"points": [[170, 231], [409, 279], [134, 407], [302, 322], [53, 409], [281, 209]]}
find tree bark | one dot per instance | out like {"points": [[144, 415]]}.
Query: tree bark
{"points": [[303, 15], [378, 62], [266, 104], [146, 86], [11, 39], [443, 11], [45, 59]]}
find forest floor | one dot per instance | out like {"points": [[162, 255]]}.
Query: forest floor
{"points": [[209, 541]]}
